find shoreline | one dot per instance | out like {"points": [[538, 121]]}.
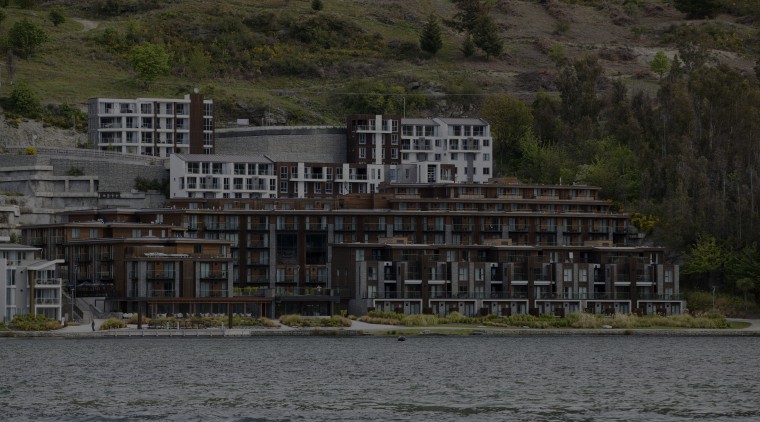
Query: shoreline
{"points": [[381, 332]]}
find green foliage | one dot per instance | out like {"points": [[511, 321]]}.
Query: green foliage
{"points": [[644, 223], [145, 185], [149, 61], [699, 9], [300, 321], [557, 54], [316, 5], [468, 46], [660, 63], [56, 16], [112, 323], [25, 37], [24, 101], [33, 322], [430, 38], [732, 306], [31, 151], [614, 168], [378, 98], [486, 37], [74, 171], [26, 4], [511, 122], [65, 116], [3, 16], [705, 258]]}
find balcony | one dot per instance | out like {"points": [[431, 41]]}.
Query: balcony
{"points": [[654, 296], [396, 295], [218, 275], [213, 293], [491, 228], [462, 227], [47, 301], [306, 291], [287, 226], [161, 293], [48, 282], [160, 275]]}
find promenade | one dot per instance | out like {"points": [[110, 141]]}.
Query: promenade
{"points": [[361, 328]]}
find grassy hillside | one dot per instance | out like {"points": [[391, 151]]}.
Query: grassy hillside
{"points": [[307, 66]]}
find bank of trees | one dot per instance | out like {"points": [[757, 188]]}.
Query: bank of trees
{"points": [[686, 157]]}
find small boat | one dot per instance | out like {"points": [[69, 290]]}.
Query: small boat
{"points": [[401, 338]]}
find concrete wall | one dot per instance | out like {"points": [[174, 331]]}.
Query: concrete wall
{"points": [[113, 176], [293, 144]]}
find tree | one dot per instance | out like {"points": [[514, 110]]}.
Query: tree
{"points": [[149, 61], [24, 37], [511, 121], [56, 16], [699, 9], [704, 259], [486, 37], [24, 102], [660, 64], [430, 38], [317, 5], [468, 47], [470, 12], [3, 16]]}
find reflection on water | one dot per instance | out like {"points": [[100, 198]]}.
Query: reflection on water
{"points": [[371, 378]]}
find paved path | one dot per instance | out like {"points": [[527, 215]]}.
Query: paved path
{"points": [[755, 323]]}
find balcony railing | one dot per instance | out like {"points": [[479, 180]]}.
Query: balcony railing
{"points": [[48, 282], [661, 297], [215, 274], [306, 291], [161, 293], [161, 274], [47, 301], [213, 293]]}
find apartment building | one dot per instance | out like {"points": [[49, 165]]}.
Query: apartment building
{"points": [[221, 176], [28, 285], [500, 247], [152, 126], [145, 266]]}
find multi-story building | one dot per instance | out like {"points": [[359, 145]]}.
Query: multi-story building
{"points": [[220, 176], [499, 247], [134, 263], [152, 126], [28, 285], [380, 149]]}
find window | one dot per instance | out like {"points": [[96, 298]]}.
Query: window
{"points": [[454, 156], [362, 153], [193, 168], [486, 157], [583, 275], [394, 139], [479, 274], [239, 168], [283, 172], [283, 187], [668, 276], [486, 170], [362, 138], [75, 233], [394, 153], [437, 157], [486, 142], [328, 187], [216, 168], [463, 273], [567, 274]]}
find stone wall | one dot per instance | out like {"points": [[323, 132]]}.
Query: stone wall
{"points": [[291, 144]]}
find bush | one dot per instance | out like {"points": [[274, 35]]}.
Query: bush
{"points": [[34, 322], [24, 101], [30, 151], [112, 323]]}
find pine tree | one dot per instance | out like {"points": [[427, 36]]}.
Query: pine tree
{"points": [[316, 5], [468, 47], [660, 64], [430, 38], [699, 9], [486, 37]]}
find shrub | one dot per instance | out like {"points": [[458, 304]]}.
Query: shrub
{"points": [[34, 322], [31, 151], [112, 323], [24, 101]]}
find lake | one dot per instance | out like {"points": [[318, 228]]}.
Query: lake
{"points": [[552, 378]]}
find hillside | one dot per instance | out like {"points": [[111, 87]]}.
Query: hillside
{"points": [[571, 96], [254, 57]]}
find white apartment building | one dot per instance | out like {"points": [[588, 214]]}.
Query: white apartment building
{"points": [[465, 144], [221, 176], [152, 126], [28, 285]]}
